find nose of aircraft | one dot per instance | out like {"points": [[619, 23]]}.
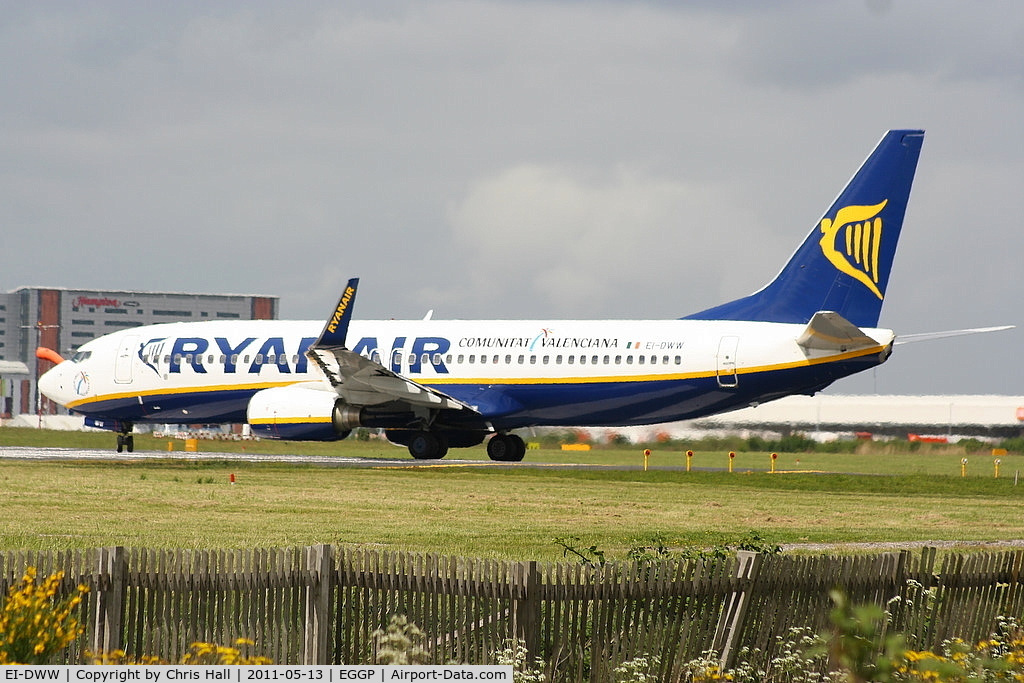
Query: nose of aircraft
{"points": [[57, 382]]}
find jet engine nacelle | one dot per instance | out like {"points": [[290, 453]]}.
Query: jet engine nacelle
{"points": [[300, 413], [310, 413]]}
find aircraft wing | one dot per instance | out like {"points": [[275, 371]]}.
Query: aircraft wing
{"points": [[361, 381]]}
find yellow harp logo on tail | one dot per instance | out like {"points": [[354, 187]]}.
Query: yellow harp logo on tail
{"points": [[858, 230]]}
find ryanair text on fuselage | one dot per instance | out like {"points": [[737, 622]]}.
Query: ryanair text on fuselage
{"points": [[251, 354]]}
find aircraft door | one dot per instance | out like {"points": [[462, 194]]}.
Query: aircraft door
{"points": [[124, 360], [726, 362]]}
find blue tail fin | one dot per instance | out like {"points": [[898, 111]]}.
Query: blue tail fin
{"points": [[844, 264]]}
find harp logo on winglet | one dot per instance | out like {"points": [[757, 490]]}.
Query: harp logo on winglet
{"points": [[339, 312], [852, 242]]}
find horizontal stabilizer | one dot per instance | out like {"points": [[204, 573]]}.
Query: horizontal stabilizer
{"points": [[829, 331], [928, 336]]}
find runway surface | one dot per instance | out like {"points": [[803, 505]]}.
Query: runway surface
{"points": [[55, 454]]}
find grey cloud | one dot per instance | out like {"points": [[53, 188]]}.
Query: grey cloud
{"points": [[280, 149]]}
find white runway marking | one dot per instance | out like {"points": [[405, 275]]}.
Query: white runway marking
{"points": [[30, 453], [99, 455]]}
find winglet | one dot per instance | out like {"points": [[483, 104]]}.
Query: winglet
{"points": [[336, 329]]}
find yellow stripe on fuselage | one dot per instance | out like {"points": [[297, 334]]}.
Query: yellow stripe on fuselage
{"points": [[612, 379], [213, 388], [291, 420]]}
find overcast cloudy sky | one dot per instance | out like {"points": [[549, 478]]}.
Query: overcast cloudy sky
{"points": [[516, 159]]}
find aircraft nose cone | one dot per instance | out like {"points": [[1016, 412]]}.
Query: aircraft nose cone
{"points": [[56, 383]]}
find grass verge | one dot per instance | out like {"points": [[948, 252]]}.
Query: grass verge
{"points": [[511, 513]]}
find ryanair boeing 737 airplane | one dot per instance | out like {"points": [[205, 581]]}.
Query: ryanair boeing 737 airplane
{"points": [[434, 384]]}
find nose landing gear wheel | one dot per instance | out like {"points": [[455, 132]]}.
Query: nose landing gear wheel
{"points": [[125, 442]]}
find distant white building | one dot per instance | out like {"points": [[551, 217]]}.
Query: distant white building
{"points": [[966, 415], [826, 416]]}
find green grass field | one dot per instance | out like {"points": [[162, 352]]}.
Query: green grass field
{"points": [[879, 458], [514, 513]]}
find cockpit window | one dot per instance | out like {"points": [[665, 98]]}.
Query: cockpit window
{"points": [[81, 356]]}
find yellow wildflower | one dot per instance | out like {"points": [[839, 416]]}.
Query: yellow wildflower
{"points": [[35, 624]]}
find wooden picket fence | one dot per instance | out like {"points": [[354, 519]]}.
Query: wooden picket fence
{"points": [[321, 604]]}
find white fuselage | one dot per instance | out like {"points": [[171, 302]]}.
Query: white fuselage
{"points": [[514, 372]]}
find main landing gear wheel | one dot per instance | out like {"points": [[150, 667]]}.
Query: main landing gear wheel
{"points": [[506, 448], [428, 446]]}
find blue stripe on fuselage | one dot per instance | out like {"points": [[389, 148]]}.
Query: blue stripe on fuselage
{"points": [[205, 407]]}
